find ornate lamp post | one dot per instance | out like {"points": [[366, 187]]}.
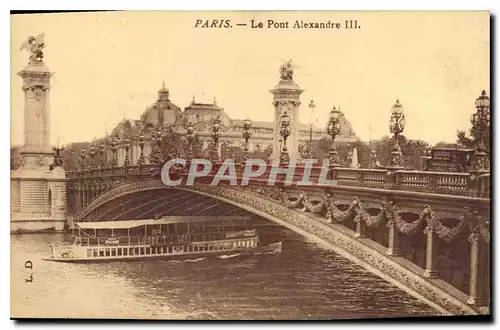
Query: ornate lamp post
{"points": [[246, 134], [190, 139], [72, 158], [215, 137], [92, 153], [82, 156], [374, 163], [142, 141], [333, 129], [126, 144], [102, 150], [396, 126], [114, 143], [312, 106], [481, 121], [285, 133], [159, 141], [152, 156]]}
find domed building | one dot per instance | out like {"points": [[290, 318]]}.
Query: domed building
{"points": [[162, 112], [165, 114]]}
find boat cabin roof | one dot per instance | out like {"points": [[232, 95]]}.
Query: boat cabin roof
{"points": [[127, 224]]}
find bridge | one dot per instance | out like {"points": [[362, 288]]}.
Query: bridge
{"points": [[426, 232]]}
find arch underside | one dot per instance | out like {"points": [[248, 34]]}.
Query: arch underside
{"points": [[158, 202]]}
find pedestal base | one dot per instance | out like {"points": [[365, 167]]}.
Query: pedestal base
{"points": [[38, 199]]}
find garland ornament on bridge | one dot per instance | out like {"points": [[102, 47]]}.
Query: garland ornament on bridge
{"points": [[407, 228], [326, 207], [396, 127], [443, 232], [477, 223], [285, 133], [333, 129]]}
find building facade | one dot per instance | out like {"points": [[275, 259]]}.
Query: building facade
{"points": [[164, 113]]}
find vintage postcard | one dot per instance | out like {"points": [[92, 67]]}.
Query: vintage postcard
{"points": [[250, 165]]}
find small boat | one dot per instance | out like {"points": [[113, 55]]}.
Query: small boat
{"points": [[171, 237]]}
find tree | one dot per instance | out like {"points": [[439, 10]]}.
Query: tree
{"points": [[476, 136], [412, 151], [444, 144]]}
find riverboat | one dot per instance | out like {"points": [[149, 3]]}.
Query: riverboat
{"points": [[169, 237]]}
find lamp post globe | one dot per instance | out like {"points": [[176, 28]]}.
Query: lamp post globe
{"points": [[246, 134], [397, 123], [333, 129], [480, 121], [285, 133], [190, 139], [215, 137]]}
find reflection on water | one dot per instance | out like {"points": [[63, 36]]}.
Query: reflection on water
{"points": [[304, 281]]}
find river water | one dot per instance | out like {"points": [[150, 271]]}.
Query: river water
{"points": [[304, 281]]}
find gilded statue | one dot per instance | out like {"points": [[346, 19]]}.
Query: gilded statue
{"points": [[35, 46], [286, 71]]}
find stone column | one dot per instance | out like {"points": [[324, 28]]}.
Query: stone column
{"points": [[478, 288], [394, 238], [360, 223], [431, 250], [37, 191], [360, 229], [37, 152], [286, 98]]}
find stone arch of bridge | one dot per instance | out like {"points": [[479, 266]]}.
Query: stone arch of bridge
{"points": [[150, 199]]}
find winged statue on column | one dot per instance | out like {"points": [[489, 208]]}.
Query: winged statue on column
{"points": [[35, 46]]}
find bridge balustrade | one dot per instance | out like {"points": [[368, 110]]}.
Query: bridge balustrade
{"points": [[85, 185]]}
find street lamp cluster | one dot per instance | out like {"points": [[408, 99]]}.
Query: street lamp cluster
{"points": [[480, 121], [156, 136]]}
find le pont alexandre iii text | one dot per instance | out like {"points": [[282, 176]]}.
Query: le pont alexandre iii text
{"points": [[349, 24]]}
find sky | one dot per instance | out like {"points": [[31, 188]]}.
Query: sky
{"points": [[110, 65]]}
